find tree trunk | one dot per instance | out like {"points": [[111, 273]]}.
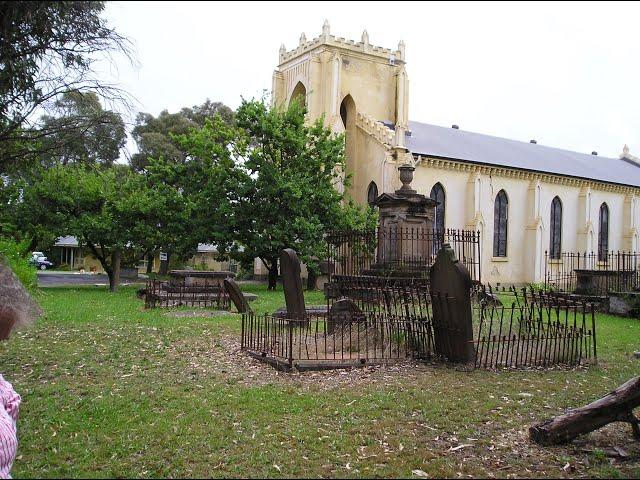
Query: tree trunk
{"points": [[32, 245], [164, 265], [273, 274], [617, 406], [149, 263], [312, 279], [114, 278]]}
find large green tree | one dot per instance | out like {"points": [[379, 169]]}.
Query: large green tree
{"points": [[156, 136], [47, 49], [272, 185], [82, 131], [104, 208]]}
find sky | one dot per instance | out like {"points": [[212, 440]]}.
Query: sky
{"points": [[565, 74]]}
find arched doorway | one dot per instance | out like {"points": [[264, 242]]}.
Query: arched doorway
{"points": [[299, 93]]}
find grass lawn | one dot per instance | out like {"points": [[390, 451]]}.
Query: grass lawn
{"points": [[112, 390]]}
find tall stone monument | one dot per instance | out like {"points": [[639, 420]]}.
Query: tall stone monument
{"points": [[405, 232]]}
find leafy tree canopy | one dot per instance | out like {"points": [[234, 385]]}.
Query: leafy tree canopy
{"points": [[103, 208], [82, 131], [47, 49], [275, 179], [155, 136]]}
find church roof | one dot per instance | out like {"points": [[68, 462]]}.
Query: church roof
{"points": [[451, 143]]}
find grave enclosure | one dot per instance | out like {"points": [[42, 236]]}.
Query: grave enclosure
{"points": [[189, 288], [407, 291]]}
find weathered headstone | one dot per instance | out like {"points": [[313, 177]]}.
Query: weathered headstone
{"points": [[452, 315], [342, 311], [236, 296], [16, 305], [292, 284]]}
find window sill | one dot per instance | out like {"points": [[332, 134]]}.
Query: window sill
{"points": [[499, 259]]}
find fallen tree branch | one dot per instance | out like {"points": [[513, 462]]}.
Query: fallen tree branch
{"points": [[617, 406]]}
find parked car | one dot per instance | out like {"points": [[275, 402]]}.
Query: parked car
{"points": [[40, 262]]}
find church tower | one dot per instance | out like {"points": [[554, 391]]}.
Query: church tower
{"points": [[358, 87]]}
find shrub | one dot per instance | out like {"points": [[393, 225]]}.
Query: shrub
{"points": [[12, 253]]}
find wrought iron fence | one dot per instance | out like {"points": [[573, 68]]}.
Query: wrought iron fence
{"points": [[534, 335], [390, 296], [401, 322], [398, 252], [593, 274], [319, 342], [180, 292]]}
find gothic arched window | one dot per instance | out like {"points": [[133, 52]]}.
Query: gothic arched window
{"points": [[603, 233], [372, 194], [556, 228], [500, 220], [437, 194]]}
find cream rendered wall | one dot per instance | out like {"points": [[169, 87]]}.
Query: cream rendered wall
{"points": [[371, 84], [370, 165], [529, 215]]}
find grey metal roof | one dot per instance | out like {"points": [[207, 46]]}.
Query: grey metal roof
{"points": [[206, 247], [68, 241], [444, 142]]}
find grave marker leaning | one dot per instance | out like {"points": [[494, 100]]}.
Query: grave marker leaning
{"points": [[452, 314], [292, 284]]}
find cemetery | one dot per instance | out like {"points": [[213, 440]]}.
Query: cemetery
{"points": [[339, 291], [402, 293]]}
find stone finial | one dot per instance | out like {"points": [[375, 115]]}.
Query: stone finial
{"points": [[365, 37], [283, 50], [303, 38], [625, 150], [401, 48], [406, 177], [326, 30]]}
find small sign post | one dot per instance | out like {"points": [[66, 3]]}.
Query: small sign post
{"points": [[163, 256]]}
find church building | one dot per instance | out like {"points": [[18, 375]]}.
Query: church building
{"points": [[530, 202]]}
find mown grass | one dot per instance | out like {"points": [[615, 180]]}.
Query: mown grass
{"points": [[112, 390]]}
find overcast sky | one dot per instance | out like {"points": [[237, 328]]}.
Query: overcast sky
{"points": [[567, 75]]}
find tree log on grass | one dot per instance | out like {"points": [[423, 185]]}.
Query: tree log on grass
{"points": [[617, 406]]}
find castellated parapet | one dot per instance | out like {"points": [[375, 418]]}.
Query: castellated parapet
{"points": [[326, 38]]}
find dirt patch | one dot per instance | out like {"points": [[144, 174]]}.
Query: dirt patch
{"points": [[221, 355]]}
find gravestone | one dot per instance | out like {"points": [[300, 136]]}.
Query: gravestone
{"points": [[236, 296], [452, 315], [292, 284], [342, 311]]}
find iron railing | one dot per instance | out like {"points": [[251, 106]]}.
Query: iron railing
{"points": [[321, 342], [593, 274], [398, 322], [180, 292], [398, 252], [534, 335]]}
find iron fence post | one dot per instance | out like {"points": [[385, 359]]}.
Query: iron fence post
{"points": [[593, 332], [290, 322]]}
